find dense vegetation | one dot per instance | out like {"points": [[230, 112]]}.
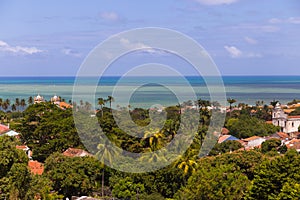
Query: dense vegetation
{"points": [[224, 174]]}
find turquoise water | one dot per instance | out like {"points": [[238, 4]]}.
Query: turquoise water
{"points": [[246, 89]]}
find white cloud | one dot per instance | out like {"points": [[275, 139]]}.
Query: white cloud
{"points": [[233, 51], [110, 16], [145, 48], [250, 40], [291, 20], [70, 52], [18, 49], [216, 2]]}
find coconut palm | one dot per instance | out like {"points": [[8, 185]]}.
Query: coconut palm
{"points": [[17, 103], [30, 100], [187, 165], [154, 138], [274, 103], [231, 101], [23, 103], [101, 103], [13, 107], [110, 99], [105, 154]]}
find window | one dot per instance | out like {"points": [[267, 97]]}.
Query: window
{"points": [[292, 124]]}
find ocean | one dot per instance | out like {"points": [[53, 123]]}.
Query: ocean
{"points": [[245, 89]]}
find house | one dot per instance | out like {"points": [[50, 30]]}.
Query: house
{"points": [[288, 124], [73, 152], [3, 129], [253, 141], [64, 105], [293, 144], [280, 135], [36, 167], [38, 99], [225, 138]]}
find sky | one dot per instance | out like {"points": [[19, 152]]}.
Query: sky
{"points": [[243, 37]]}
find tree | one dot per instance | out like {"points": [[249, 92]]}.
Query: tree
{"points": [[23, 103], [220, 182], [17, 103], [270, 145], [30, 100], [13, 107], [126, 189], [224, 147], [73, 176], [101, 102], [271, 176], [231, 101], [274, 103], [110, 99]]}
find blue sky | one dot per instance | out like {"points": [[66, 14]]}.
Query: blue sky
{"points": [[244, 37]]}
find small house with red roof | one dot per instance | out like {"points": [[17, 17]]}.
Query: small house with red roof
{"points": [[73, 152]]}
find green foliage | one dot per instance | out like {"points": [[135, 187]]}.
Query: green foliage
{"points": [[48, 129], [126, 189], [246, 126], [270, 145], [224, 147], [295, 112], [271, 177], [73, 176], [221, 182]]}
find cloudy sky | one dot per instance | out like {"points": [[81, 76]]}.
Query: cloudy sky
{"points": [[243, 37]]}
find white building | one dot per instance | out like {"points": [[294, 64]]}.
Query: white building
{"points": [[39, 99], [288, 124]]}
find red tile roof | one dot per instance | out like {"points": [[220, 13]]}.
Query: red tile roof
{"points": [[36, 167], [283, 135], [294, 117], [3, 128], [251, 138], [223, 138], [22, 147], [224, 131], [73, 152], [64, 105]]}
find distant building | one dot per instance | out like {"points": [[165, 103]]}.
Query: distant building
{"points": [[73, 152], [39, 99], [253, 141], [225, 138], [288, 124], [55, 99]]}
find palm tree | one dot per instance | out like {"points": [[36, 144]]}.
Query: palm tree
{"points": [[4, 106], [231, 101], [105, 154], [187, 165], [1, 102], [154, 138], [101, 102], [110, 99], [13, 107], [274, 103], [30, 100], [17, 103], [23, 103]]}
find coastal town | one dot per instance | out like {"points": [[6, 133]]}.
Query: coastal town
{"points": [[288, 128]]}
